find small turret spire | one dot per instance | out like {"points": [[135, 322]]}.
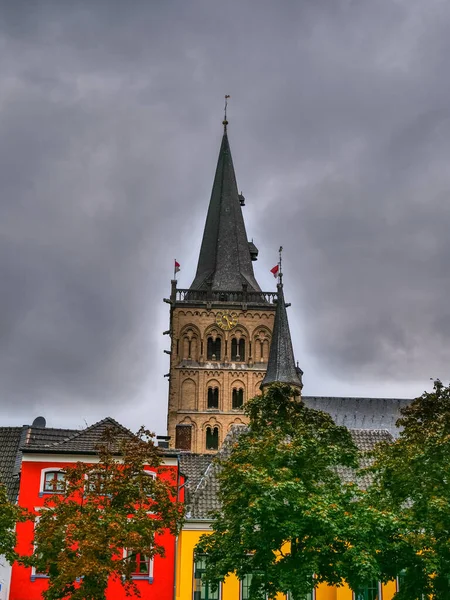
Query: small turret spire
{"points": [[281, 367]]}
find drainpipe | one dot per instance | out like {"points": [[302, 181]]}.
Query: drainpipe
{"points": [[179, 488]]}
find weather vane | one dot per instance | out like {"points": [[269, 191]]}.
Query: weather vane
{"points": [[225, 122]]}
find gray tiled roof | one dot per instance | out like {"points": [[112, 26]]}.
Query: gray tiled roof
{"points": [[361, 413], [203, 500], [365, 440], [281, 366], [38, 437], [77, 442], [10, 440], [193, 467], [225, 254]]}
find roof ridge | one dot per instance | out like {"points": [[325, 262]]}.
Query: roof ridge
{"points": [[356, 398], [90, 428]]}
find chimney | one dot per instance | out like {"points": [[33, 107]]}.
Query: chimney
{"points": [[163, 441]]}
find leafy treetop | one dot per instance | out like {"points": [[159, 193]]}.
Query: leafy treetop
{"points": [[285, 512], [412, 480]]}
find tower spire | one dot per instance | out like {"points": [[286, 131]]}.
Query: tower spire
{"points": [[281, 367], [226, 255]]}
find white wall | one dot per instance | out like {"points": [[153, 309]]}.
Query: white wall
{"points": [[5, 578]]}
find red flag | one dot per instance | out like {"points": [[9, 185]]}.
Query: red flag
{"points": [[275, 270], [177, 266]]}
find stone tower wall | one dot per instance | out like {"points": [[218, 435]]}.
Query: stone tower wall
{"points": [[192, 373]]}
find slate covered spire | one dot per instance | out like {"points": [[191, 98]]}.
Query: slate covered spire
{"points": [[226, 255], [281, 367]]}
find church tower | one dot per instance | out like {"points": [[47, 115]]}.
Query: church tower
{"points": [[220, 328]]}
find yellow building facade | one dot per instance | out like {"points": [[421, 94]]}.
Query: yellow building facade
{"points": [[230, 589]]}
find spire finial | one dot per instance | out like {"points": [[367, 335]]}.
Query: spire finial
{"points": [[225, 122], [280, 273]]}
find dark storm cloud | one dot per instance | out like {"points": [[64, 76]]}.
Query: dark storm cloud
{"points": [[109, 132]]}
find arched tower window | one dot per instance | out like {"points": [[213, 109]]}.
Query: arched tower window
{"points": [[213, 348], [237, 398], [213, 397], [212, 438], [238, 349]]}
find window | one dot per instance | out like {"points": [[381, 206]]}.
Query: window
{"points": [[54, 482], [213, 348], [213, 397], [96, 483], [35, 573], [309, 596], [237, 349], [368, 591], [237, 398], [245, 587], [212, 438], [202, 590], [140, 564], [401, 581]]}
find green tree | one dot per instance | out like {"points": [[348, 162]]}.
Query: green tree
{"points": [[286, 513], [109, 514], [10, 514], [412, 479]]}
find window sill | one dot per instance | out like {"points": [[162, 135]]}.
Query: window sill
{"points": [[38, 576], [41, 494], [142, 578]]}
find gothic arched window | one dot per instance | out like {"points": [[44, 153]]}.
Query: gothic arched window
{"points": [[213, 348], [238, 349], [237, 398], [213, 397], [212, 438]]}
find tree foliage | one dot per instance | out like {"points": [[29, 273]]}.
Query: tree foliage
{"points": [[412, 479], [108, 513], [285, 512], [10, 514]]}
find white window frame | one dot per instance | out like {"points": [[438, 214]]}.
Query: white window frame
{"points": [[288, 595], [34, 574], [380, 592], [193, 581], [148, 577], [42, 481], [241, 595]]}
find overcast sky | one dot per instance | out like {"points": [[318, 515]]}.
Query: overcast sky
{"points": [[110, 126]]}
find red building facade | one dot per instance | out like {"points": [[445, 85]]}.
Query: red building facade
{"points": [[43, 462]]}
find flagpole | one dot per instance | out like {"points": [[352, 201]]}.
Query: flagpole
{"points": [[174, 268], [280, 274]]}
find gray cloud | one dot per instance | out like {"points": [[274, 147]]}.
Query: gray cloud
{"points": [[109, 132]]}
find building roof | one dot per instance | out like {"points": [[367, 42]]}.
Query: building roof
{"points": [[281, 365], [225, 256], [203, 499], [193, 467], [10, 440], [365, 440], [84, 441], [39, 437], [361, 413]]}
